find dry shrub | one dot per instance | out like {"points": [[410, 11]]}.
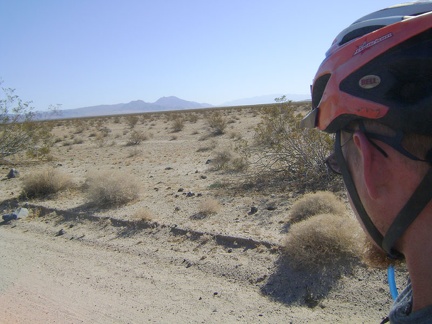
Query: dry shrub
{"points": [[221, 160], [217, 123], [284, 153], [132, 120], [136, 137], [209, 207], [375, 257], [134, 152], [111, 188], [323, 240], [321, 202], [193, 118], [142, 214], [238, 164], [209, 147], [46, 182], [228, 161], [177, 123]]}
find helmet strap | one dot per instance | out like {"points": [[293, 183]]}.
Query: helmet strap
{"points": [[355, 199], [417, 202]]}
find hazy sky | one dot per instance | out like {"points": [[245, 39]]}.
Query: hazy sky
{"points": [[80, 53]]}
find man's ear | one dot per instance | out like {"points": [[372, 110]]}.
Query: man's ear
{"points": [[371, 162]]}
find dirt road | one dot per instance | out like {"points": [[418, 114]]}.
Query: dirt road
{"points": [[53, 272], [48, 279]]}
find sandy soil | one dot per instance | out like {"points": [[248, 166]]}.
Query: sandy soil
{"points": [[79, 264]]}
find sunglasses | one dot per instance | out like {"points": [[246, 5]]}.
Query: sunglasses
{"points": [[394, 141]]}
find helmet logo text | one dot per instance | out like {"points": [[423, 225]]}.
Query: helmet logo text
{"points": [[369, 81], [367, 45]]}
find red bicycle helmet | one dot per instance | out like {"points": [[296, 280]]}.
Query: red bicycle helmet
{"points": [[380, 68]]}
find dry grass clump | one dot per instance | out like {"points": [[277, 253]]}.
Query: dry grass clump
{"points": [[217, 123], [226, 160], [320, 202], [206, 208], [209, 206], [323, 240], [178, 123], [221, 160], [136, 137], [375, 257], [142, 214], [111, 188], [46, 182]]}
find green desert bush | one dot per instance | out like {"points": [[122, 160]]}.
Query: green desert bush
{"points": [[310, 204], [284, 153], [19, 129], [111, 188], [323, 241], [45, 182]]}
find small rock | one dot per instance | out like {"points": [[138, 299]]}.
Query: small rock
{"points": [[253, 210], [13, 173], [21, 212], [9, 217], [180, 190], [61, 232]]}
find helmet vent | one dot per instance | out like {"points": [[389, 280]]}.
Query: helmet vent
{"points": [[359, 32], [318, 89]]}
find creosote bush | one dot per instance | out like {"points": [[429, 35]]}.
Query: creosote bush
{"points": [[316, 203], [111, 188], [284, 153], [19, 130], [45, 182]]}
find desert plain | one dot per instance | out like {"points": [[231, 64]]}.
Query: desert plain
{"points": [[193, 246]]}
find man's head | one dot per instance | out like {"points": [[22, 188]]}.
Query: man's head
{"points": [[374, 91]]}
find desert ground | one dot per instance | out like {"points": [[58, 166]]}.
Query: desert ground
{"points": [[187, 249]]}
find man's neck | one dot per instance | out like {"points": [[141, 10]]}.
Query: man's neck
{"points": [[419, 263]]}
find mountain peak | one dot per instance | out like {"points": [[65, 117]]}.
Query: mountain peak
{"points": [[177, 103]]}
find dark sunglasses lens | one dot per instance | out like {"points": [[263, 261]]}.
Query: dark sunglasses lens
{"points": [[332, 164]]}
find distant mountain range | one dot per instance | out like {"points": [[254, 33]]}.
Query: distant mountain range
{"points": [[162, 104], [137, 106], [267, 99]]}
